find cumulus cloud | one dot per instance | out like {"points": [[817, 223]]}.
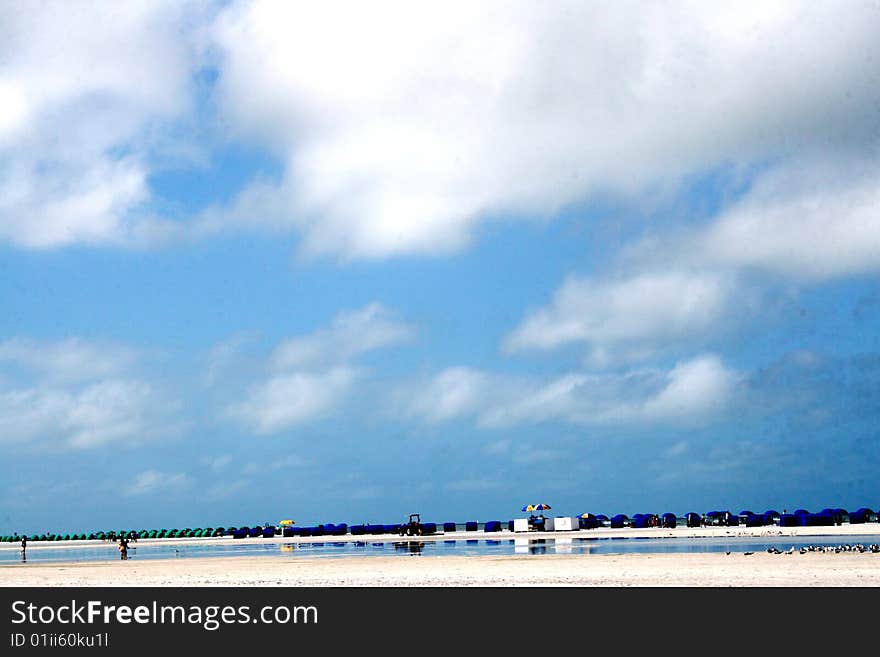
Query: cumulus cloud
{"points": [[401, 127], [86, 91], [798, 224], [453, 393], [691, 392], [69, 359], [110, 411], [350, 334], [290, 399], [311, 375], [695, 388], [79, 394], [810, 222], [629, 316]]}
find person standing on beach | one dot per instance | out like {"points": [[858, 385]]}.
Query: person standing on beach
{"points": [[24, 547], [123, 548]]}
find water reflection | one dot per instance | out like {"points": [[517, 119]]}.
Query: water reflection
{"points": [[413, 547], [530, 545], [428, 547]]}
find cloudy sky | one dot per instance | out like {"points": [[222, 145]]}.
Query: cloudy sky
{"points": [[341, 263]]}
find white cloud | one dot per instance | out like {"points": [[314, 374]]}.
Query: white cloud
{"points": [[122, 412], [701, 386], [152, 482], [86, 90], [799, 224], [287, 400], [626, 317], [70, 359], [349, 335], [309, 376], [453, 393], [402, 126], [13, 110], [692, 392], [809, 222], [80, 394]]}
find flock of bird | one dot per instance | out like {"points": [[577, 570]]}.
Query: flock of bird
{"points": [[836, 549]]}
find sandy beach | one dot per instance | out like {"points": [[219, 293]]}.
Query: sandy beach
{"points": [[761, 569], [667, 570]]}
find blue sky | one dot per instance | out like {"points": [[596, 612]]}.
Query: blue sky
{"points": [[266, 260]]}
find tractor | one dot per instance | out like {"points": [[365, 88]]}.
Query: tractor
{"points": [[413, 527]]}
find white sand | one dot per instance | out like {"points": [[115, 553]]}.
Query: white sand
{"points": [[695, 569], [846, 569]]}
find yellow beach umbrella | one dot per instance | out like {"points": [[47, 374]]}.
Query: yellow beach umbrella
{"points": [[285, 523]]}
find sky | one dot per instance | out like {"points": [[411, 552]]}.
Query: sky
{"points": [[343, 262]]}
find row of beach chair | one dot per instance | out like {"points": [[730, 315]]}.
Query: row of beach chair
{"points": [[800, 517]]}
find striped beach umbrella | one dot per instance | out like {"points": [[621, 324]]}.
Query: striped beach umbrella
{"points": [[536, 507]]}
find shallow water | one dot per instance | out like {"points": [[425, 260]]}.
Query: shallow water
{"points": [[440, 547]]}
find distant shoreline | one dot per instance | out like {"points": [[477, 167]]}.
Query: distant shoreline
{"points": [[862, 529]]}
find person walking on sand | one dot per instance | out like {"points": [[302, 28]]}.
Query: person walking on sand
{"points": [[24, 547]]}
